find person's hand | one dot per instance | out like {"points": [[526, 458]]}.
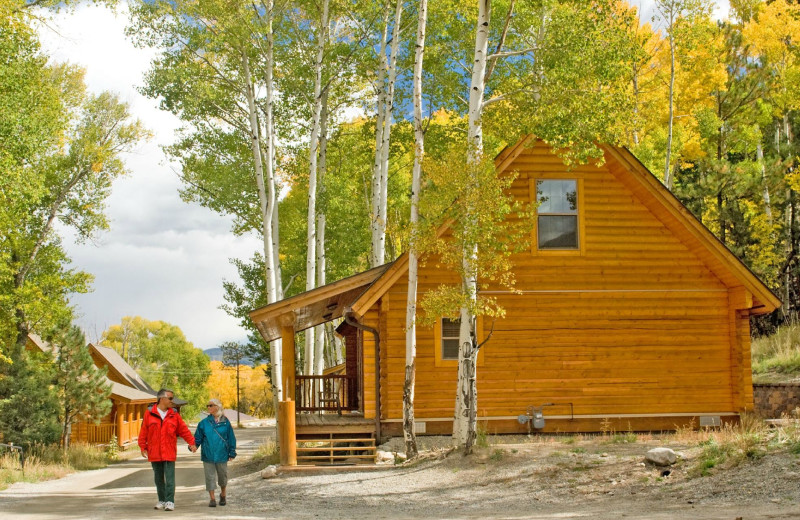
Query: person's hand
{"points": [[230, 459], [144, 453], [193, 448]]}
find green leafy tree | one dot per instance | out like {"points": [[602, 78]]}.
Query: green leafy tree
{"points": [[83, 390], [161, 354], [59, 153]]}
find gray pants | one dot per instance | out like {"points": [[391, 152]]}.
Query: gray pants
{"points": [[215, 472]]}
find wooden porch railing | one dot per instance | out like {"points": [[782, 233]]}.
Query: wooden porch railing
{"points": [[331, 393], [92, 433]]}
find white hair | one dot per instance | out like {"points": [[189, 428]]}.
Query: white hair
{"points": [[220, 409]]}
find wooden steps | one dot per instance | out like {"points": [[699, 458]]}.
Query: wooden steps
{"points": [[336, 449]]}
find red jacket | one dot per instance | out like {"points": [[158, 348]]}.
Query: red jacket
{"points": [[160, 437]]}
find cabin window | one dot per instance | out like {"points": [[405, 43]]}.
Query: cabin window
{"points": [[445, 342], [449, 344], [557, 214]]}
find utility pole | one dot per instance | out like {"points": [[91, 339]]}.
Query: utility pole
{"points": [[232, 353]]}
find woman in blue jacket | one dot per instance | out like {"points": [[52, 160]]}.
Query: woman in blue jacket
{"points": [[217, 444]]}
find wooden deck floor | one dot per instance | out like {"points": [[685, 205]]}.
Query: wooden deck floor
{"points": [[310, 423]]}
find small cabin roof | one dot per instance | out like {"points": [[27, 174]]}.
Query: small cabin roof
{"points": [[127, 394], [105, 356], [313, 307]]}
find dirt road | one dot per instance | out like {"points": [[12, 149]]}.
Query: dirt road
{"points": [[123, 490], [540, 479]]}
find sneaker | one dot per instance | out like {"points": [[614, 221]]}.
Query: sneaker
{"points": [[159, 506], [169, 506], [222, 501], [213, 503]]}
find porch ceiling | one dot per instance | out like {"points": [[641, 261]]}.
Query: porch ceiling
{"points": [[313, 307]]}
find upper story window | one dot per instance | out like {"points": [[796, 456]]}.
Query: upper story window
{"points": [[557, 214]]}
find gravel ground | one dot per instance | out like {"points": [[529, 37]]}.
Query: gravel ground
{"points": [[513, 477], [545, 479]]}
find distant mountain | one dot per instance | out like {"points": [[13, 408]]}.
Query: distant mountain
{"points": [[215, 354]]}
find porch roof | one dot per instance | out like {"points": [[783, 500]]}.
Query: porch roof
{"points": [[313, 307]]}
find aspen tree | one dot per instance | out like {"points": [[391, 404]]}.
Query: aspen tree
{"points": [[411, 307]]}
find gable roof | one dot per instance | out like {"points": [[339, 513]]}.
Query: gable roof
{"points": [[716, 255], [119, 369], [313, 307], [649, 189]]}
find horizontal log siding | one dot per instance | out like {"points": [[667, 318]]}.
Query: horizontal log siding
{"points": [[636, 325]]}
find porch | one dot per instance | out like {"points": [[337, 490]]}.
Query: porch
{"points": [[336, 418], [329, 427]]}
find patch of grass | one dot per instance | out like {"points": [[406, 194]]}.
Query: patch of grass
{"points": [[267, 454], [732, 445], [578, 450], [778, 354], [623, 438], [481, 436], [497, 455], [568, 440], [50, 462]]}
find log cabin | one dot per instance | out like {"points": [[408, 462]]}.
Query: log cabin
{"points": [[130, 398], [630, 315]]}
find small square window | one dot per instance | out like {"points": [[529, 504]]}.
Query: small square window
{"points": [[557, 220]]}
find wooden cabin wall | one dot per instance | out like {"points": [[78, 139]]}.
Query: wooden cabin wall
{"points": [[633, 323], [371, 319]]}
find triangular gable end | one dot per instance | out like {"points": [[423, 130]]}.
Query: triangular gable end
{"points": [[664, 205], [675, 216]]}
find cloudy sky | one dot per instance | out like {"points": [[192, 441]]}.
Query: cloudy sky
{"points": [[163, 259]]}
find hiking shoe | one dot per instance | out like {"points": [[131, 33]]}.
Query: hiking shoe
{"points": [[169, 506], [159, 506], [222, 501], [213, 503]]}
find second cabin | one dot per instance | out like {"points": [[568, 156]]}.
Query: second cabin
{"points": [[630, 315]]}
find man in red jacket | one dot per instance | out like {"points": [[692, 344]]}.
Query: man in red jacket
{"points": [[158, 440]]}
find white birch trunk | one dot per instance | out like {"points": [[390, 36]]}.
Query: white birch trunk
{"points": [[266, 197], [311, 237], [762, 166], [319, 332], [388, 108], [667, 168], [411, 306], [380, 113], [274, 292], [465, 419]]}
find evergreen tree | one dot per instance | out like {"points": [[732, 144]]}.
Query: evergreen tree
{"points": [[28, 403], [83, 391]]}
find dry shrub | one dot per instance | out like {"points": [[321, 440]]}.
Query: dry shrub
{"points": [[732, 444]]}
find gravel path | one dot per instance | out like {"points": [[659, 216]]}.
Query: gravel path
{"points": [[547, 479]]}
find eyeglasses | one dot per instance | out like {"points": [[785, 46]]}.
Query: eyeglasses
{"points": [[210, 405], [170, 398]]}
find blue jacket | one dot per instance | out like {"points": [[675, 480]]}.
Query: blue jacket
{"points": [[215, 439]]}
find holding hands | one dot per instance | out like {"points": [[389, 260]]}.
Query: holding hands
{"points": [[192, 448]]}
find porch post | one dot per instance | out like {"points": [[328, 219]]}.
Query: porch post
{"points": [[121, 409], [287, 362], [286, 425], [287, 439]]}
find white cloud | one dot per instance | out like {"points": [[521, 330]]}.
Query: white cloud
{"points": [[163, 259]]}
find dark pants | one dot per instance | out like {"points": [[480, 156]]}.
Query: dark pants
{"points": [[164, 473]]}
